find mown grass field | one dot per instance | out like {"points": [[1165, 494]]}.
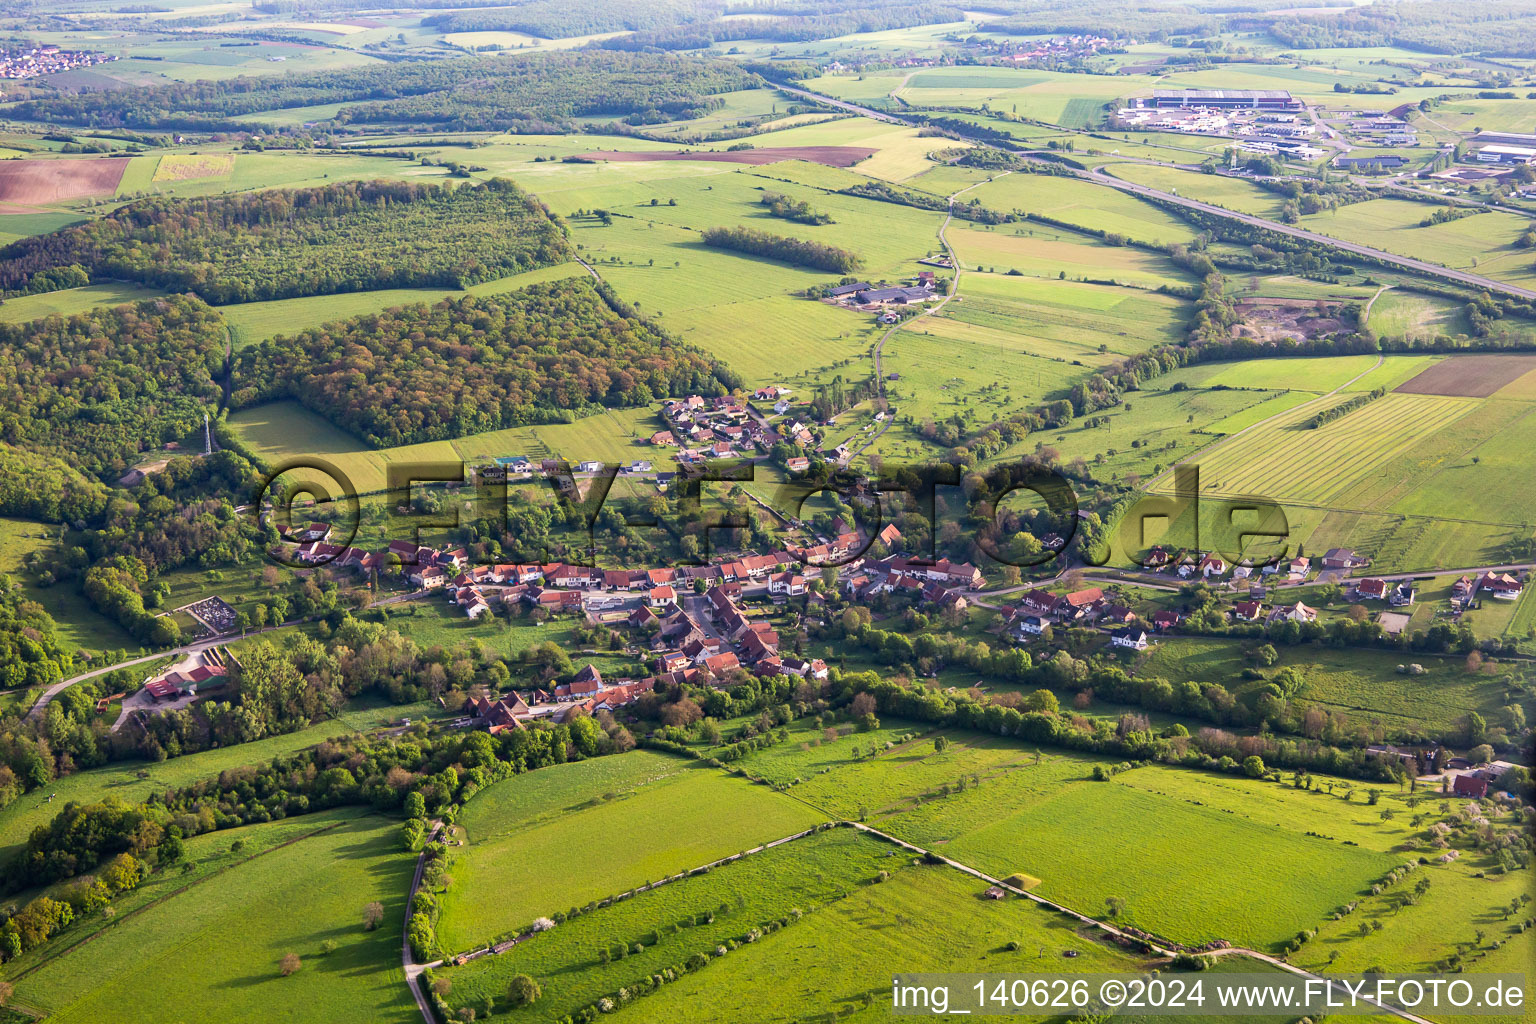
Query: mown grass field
{"points": [[836, 963], [1011, 342], [599, 836], [71, 300], [1288, 462], [238, 927], [281, 431], [1083, 204], [811, 875], [191, 166], [1413, 937], [1072, 101], [1407, 315], [1041, 251]]}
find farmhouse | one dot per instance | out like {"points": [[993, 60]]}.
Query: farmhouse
{"points": [[899, 296]]}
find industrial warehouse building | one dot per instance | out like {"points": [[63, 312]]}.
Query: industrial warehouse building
{"points": [[1228, 99]]}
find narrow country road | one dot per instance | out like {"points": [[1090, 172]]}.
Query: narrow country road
{"points": [[1407, 262], [407, 959], [37, 709], [954, 288]]}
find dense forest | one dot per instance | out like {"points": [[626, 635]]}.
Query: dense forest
{"points": [[820, 22], [1497, 28], [30, 654], [97, 388], [785, 250], [422, 373], [532, 93], [47, 488], [282, 243], [555, 19]]}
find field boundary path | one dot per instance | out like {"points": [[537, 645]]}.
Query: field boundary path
{"points": [[1121, 934], [1381, 255], [407, 959], [413, 970]]}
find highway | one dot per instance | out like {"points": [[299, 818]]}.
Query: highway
{"points": [[1406, 262]]}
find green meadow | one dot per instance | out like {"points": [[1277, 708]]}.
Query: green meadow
{"points": [[599, 835], [838, 960], [1231, 193], [136, 780], [293, 899], [250, 322], [1083, 204], [1252, 884], [71, 300], [672, 923], [1362, 685]]}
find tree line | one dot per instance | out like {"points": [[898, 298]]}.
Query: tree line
{"points": [[800, 253], [283, 243], [1343, 408]]}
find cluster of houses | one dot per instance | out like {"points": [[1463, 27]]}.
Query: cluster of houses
{"points": [[690, 647], [1039, 610], [940, 583], [18, 62], [717, 428], [586, 694], [1252, 610], [1212, 568], [1466, 779]]}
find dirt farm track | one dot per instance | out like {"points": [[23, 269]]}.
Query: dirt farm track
{"points": [[832, 156], [57, 181], [1469, 376]]}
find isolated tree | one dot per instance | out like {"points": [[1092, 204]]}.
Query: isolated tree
{"points": [[291, 964], [523, 990], [373, 914], [940, 743]]}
